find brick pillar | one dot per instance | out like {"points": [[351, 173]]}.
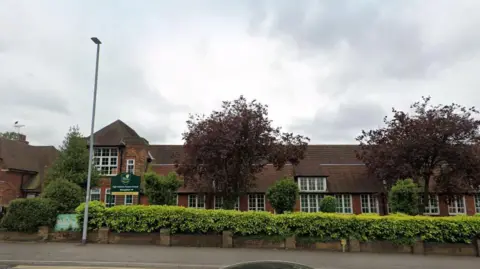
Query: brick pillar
{"points": [[418, 247], [43, 232], [103, 235], [165, 237], [356, 204], [353, 245], [291, 242], [227, 239]]}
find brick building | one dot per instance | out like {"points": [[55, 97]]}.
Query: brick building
{"points": [[326, 170], [22, 168]]}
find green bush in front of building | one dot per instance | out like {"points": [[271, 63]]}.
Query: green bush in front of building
{"points": [[66, 194], [96, 214], [283, 195], [26, 215], [328, 204], [397, 228]]}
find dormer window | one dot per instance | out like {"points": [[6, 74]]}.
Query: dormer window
{"points": [[312, 184], [106, 161]]}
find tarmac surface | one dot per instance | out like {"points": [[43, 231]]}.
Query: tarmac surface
{"points": [[66, 255]]}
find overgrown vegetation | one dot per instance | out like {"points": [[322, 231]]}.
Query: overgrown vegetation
{"points": [[328, 204], [66, 194], [160, 189], [96, 214], [396, 228], [26, 215], [404, 198], [283, 195]]}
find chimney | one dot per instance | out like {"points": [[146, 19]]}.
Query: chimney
{"points": [[22, 138]]}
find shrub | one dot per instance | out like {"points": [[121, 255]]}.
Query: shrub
{"points": [[283, 195], [161, 190], [96, 215], [328, 204], [401, 229], [403, 197], [68, 195], [26, 215]]}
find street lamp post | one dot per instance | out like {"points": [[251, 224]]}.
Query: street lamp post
{"points": [[89, 178]]}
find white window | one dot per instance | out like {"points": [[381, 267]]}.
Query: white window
{"points": [[109, 199], [131, 166], [105, 160], [95, 195], [344, 203], [31, 195], [432, 207], [256, 202], [369, 203], [477, 203], [128, 200], [196, 201], [219, 203], [457, 206], [310, 202], [312, 184]]}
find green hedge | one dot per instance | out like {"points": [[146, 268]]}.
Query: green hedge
{"points": [[26, 215], [96, 214], [398, 228]]}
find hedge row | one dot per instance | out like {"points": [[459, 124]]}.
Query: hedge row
{"points": [[26, 215], [400, 229]]}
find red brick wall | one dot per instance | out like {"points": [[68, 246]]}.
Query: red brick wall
{"points": [[10, 186], [356, 204]]}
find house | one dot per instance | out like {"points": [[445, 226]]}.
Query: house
{"points": [[23, 168], [326, 170]]}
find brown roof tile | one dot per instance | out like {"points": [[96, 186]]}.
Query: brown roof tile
{"points": [[166, 154], [115, 134], [21, 156]]}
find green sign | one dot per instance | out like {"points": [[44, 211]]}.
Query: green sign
{"points": [[125, 184], [66, 222]]}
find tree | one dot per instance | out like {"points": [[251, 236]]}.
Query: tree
{"points": [[9, 135], [161, 190], [434, 144], [224, 151], [72, 163], [328, 204], [66, 194], [283, 195], [403, 197]]}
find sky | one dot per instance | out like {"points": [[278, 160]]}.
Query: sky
{"points": [[326, 69]]}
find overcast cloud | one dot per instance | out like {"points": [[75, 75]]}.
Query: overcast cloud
{"points": [[327, 69]]}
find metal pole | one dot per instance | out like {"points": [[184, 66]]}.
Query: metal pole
{"points": [[90, 160]]}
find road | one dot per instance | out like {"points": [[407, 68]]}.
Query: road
{"points": [[70, 254]]}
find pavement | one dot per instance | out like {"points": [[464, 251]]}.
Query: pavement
{"points": [[66, 255]]}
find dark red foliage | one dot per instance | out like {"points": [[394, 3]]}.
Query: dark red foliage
{"points": [[225, 151], [436, 146]]}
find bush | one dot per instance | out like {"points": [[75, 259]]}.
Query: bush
{"points": [[399, 229], [68, 195], [403, 197], [328, 204], [26, 215], [96, 215], [283, 195], [161, 190]]}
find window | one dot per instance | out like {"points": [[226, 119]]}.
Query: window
{"points": [[105, 160], [369, 203], [256, 202], [219, 203], [109, 199], [310, 202], [31, 195], [95, 195], [344, 203], [477, 203], [128, 199], [196, 201], [312, 184], [457, 206], [131, 166], [431, 208]]}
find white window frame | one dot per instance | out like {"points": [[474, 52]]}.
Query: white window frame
{"points": [[130, 167], [369, 203], [95, 191], [125, 200], [107, 193], [343, 205], [99, 158], [256, 197], [476, 198], [310, 202], [196, 201], [429, 207], [215, 198], [453, 206], [312, 184]]}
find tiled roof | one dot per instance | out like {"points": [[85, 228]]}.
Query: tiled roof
{"points": [[21, 156], [116, 134]]}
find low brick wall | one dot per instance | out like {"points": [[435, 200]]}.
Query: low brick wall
{"points": [[228, 240]]}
